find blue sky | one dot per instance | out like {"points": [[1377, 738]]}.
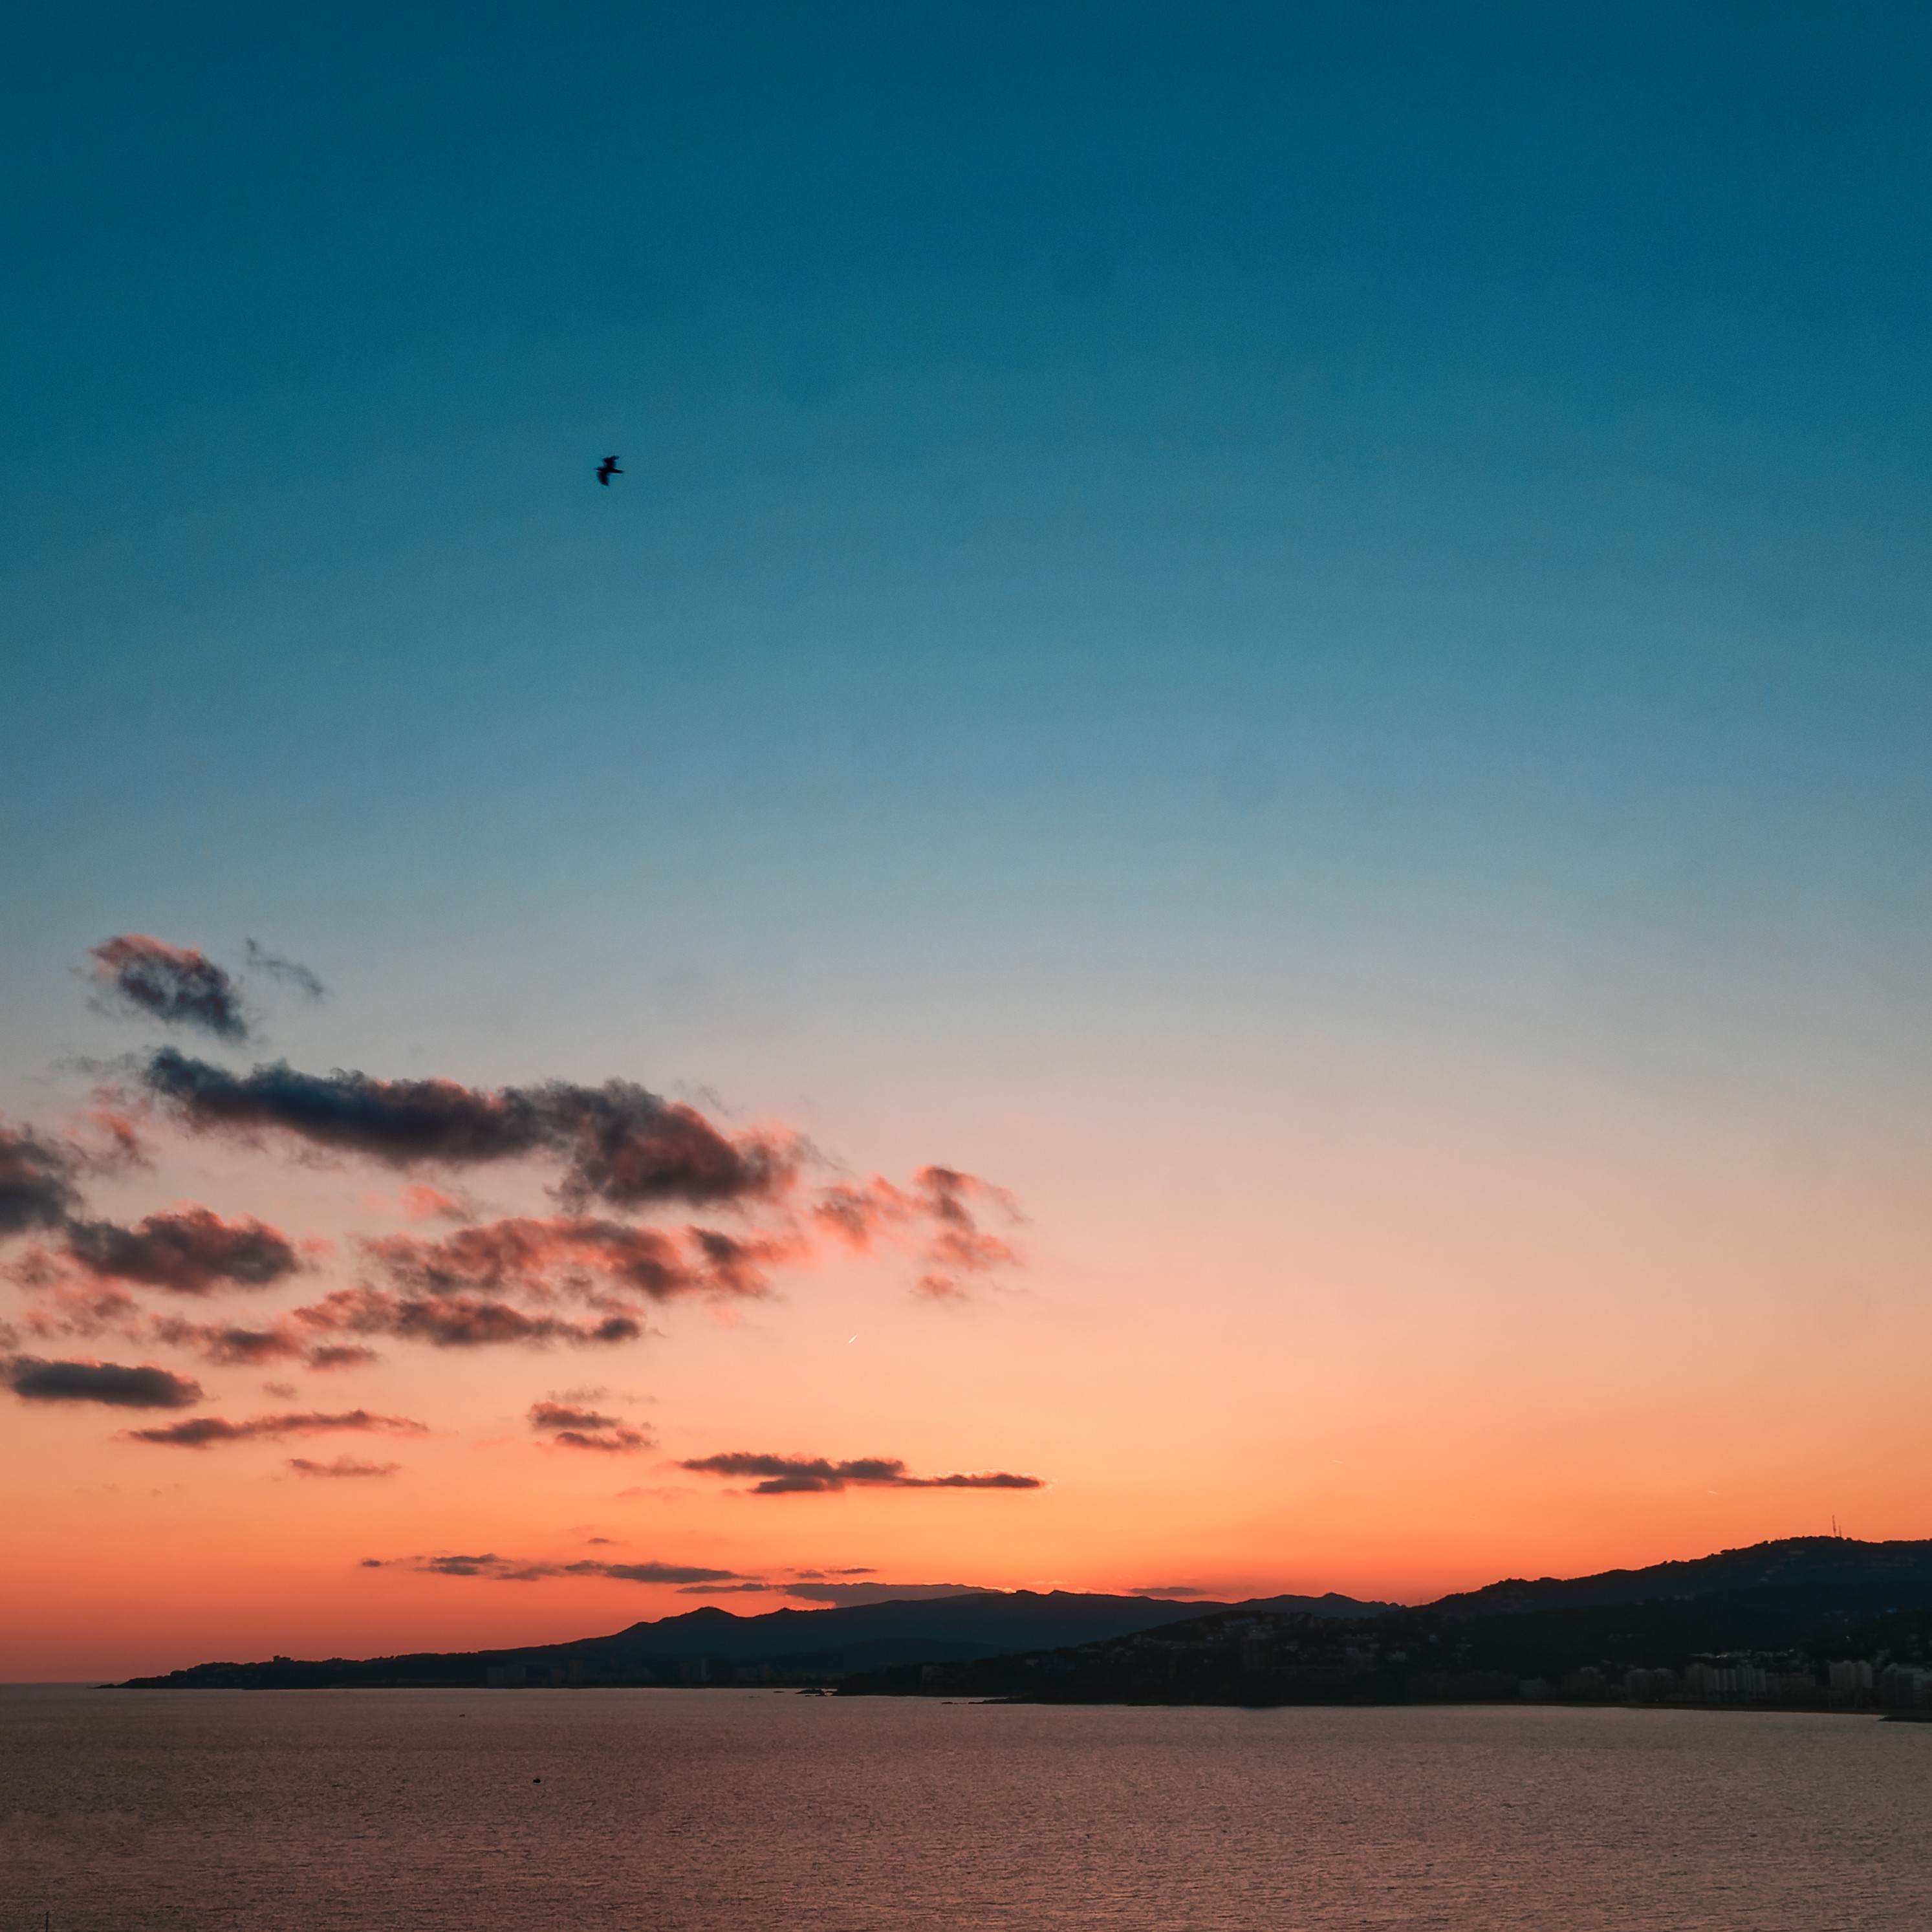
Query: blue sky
{"points": [[1111, 495]]}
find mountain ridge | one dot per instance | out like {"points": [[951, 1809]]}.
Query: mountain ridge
{"points": [[1759, 1590], [787, 1642]]}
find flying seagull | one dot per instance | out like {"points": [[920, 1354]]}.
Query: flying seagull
{"points": [[607, 469]]}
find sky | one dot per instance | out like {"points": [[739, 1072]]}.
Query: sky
{"points": [[1236, 783]]}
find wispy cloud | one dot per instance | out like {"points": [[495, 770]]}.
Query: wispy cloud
{"points": [[514, 1570], [455, 1321], [229, 1344], [343, 1466], [845, 1595], [204, 1432], [290, 972], [545, 1258], [939, 1214], [573, 1428], [816, 1475]]}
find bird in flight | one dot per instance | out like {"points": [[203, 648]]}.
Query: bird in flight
{"points": [[607, 469]]}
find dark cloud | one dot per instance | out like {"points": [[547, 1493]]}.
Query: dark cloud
{"points": [[618, 1143], [572, 1428], [730, 1589], [340, 1355], [455, 1320], [36, 1190], [146, 1386], [815, 1475], [204, 1431], [650, 1573], [845, 1595], [544, 1257], [343, 1465], [632, 1149], [191, 1250], [511, 1569], [290, 972], [461, 1291], [229, 1345], [175, 984]]}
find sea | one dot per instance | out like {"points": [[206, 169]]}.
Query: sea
{"points": [[753, 1810]]}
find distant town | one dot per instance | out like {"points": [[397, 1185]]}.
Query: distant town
{"points": [[1259, 1659]]}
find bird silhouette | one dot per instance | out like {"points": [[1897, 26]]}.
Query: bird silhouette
{"points": [[607, 469]]}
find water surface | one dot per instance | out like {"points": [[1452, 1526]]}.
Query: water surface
{"points": [[727, 1811]]}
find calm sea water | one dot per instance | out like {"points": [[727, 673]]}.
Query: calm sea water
{"points": [[671, 1811]]}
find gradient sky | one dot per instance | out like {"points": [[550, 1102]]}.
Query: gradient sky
{"points": [[1297, 633]]}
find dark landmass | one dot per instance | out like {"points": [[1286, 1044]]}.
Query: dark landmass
{"points": [[1817, 1622], [1803, 1575], [802, 1647]]}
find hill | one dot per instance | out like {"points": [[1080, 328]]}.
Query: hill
{"points": [[712, 1644], [1759, 1624], [1797, 1575]]}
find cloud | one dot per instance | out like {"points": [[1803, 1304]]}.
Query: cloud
{"points": [[618, 1143], [36, 1187], [650, 1573], [65, 1308], [585, 1428], [343, 1465], [614, 1268], [810, 1475], [512, 1570], [340, 1355], [455, 1320], [544, 1257], [937, 1213], [108, 1383], [174, 984], [422, 1202], [461, 1290], [229, 1345], [119, 1147], [203, 1431], [191, 1250], [845, 1595], [290, 972]]}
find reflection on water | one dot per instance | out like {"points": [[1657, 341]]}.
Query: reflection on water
{"points": [[670, 1811]]}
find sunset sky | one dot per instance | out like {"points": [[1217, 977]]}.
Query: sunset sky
{"points": [[1238, 783]]}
